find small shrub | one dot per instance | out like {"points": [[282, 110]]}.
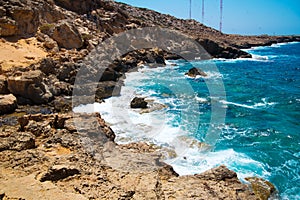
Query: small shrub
{"points": [[46, 27]]}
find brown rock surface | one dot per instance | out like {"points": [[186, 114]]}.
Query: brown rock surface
{"points": [[3, 85], [262, 188], [57, 161], [29, 85], [22, 53], [66, 35], [17, 141], [27, 187], [75, 155], [138, 102], [193, 72], [8, 103]]}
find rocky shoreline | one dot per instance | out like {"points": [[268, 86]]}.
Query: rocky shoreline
{"points": [[44, 156]]}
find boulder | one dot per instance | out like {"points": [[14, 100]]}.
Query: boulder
{"points": [[8, 103], [110, 75], [220, 173], [19, 19], [27, 19], [29, 85], [59, 172], [2, 11], [49, 43], [80, 7], [210, 46], [3, 85], [193, 72], [107, 89], [67, 72], [66, 35], [153, 57], [17, 141], [62, 104], [8, 27], [263, 189], [96, 91], [22, 18], [47, 66], [138, 102]]}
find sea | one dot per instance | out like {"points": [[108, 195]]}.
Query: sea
{"points": [[257, 132]]}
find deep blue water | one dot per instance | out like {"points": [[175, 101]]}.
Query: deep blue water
{"points": [[262, 124], [271, 134], [260, 135]]}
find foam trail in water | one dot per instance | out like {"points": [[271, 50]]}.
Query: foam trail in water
{"points": [[255, 106]]}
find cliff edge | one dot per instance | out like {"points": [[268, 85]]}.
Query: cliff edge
{"points": [[43, 154]]}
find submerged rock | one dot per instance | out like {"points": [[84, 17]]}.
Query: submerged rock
{"points": [[193, 72], [138, 102], [8, 103], [152, 106]]}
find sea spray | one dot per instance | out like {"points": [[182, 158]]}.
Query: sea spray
{"points": [[260, 136]]}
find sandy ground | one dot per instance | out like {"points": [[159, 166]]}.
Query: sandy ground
{"points": [[21, 53]]}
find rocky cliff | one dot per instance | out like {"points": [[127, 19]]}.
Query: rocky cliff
{"points": [[49, 39], [44, 156]]}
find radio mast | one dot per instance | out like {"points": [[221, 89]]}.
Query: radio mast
{"points": [[190, 14], [202, 11], [221, 15]]}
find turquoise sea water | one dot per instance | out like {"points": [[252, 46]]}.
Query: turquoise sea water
{"points": [[261, 132]]}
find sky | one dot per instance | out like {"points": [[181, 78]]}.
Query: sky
{"points": [[247, 17]]}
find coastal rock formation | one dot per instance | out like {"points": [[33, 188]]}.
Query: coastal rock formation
{"points": [[208, 185], [22, 21], [8, 103], [74, 156], [66, 35], [22, 18], [29, 85], [49, 153], [3, 85], [262, 188], [220, 51], [59, 172], [17, 141], [138, 102], [194, 72]]}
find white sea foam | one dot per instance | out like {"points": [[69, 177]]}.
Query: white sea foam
{"points": [[262, 104], [271, 46], [255, 58], [201, 99], [157, 127], [193, 162], [277, 45], [259, 57]]}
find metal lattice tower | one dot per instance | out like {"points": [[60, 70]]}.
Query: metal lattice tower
{"points": [[190, 14], [202, 11], [221, 15]]}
